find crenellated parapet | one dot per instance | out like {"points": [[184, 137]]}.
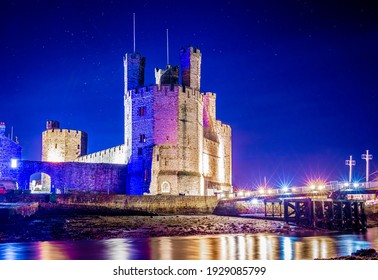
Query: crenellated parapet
{"points": [[114, 155]]}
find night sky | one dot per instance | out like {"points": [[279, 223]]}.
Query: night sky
{"points": [[296, 80]]}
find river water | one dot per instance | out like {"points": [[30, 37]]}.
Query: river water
{"points": [[209, 247]]}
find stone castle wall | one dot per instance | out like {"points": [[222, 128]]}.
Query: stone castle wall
{"points": [[9, 150], [190, 145], [63, 145], [115, 155], [75, 176]]}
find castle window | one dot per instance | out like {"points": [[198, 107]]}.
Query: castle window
{"points": [[140, 151], [142, 111], [78, 146], [142, 138], [56, 146], [157, 157], [165, 187]]}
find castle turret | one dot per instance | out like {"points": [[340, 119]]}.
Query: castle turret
{"points": [[190, 60], [134, 65], [62, 145]]}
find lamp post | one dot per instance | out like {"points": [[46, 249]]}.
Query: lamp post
{"points": [[350, 163], [367, 157]]}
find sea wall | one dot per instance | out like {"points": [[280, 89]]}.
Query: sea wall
{"points": [[121, 204]]}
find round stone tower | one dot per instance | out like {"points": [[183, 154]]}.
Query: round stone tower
{"points": [[62, 145]]}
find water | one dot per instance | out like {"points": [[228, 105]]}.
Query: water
{"points": [[210, 247]]}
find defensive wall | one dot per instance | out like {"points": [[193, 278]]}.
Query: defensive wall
{"points": [[115, 155], [75, 176], [103, 203]]}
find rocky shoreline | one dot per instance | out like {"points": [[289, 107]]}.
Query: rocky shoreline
{"points": [[105, 227], [66, 224]]}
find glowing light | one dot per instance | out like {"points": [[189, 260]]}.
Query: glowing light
{"points": [[240, 194], [321, 187], [14, 163], [261, 191], [293, 189], [346, 184], [270, 191], [54, 156], [313, 187], [356, 185], [285, 189], [254, 201]]}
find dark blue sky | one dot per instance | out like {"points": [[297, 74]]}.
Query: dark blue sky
{"points": [[296, 80]]}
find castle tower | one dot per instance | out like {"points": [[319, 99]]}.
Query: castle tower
{"points": [[62, 145], [134, 65], [190, 60]]}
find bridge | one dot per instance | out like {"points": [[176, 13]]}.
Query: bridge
{"points": [[331, 206]]}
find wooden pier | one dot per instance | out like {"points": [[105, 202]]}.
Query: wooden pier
{"points": [[341, 215]]}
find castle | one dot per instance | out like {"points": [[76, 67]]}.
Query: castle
{"points": [[173, 143]]}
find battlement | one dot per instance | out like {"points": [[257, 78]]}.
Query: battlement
{"points": [[146, 91], [224, 128], [64, 130], [114, 155], [210, 94], [192, 93], [190, 50]]}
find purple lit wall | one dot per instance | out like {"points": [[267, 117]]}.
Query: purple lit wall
{"points": [[166, 116], [75, 176], [9, 149]]}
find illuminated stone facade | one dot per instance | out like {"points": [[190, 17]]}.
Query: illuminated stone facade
{"points": [[178, 145]]}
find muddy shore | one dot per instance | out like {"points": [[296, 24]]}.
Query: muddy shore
{"points": [[106, 227], [52, 225]]}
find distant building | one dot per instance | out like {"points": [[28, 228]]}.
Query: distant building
{"points": [[10, 155]]}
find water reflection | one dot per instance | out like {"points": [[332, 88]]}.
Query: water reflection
{"points": [[227, 247]]}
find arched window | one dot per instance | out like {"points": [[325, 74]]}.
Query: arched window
{"points": [[165, 187]]}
